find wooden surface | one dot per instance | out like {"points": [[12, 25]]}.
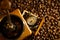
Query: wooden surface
{"points": [[26, 31]]}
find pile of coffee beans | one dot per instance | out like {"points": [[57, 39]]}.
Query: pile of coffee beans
{"points": [[50, 9]]}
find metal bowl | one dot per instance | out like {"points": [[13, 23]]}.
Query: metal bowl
{"points": [[10, 33]]}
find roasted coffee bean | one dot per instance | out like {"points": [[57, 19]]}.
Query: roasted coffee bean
{"points": [[43, 8]]}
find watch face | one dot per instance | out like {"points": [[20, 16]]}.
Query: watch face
{"points": [[31, 20], [14, 31]]}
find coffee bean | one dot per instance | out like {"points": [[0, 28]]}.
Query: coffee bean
{"points": [[43, 8]]}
